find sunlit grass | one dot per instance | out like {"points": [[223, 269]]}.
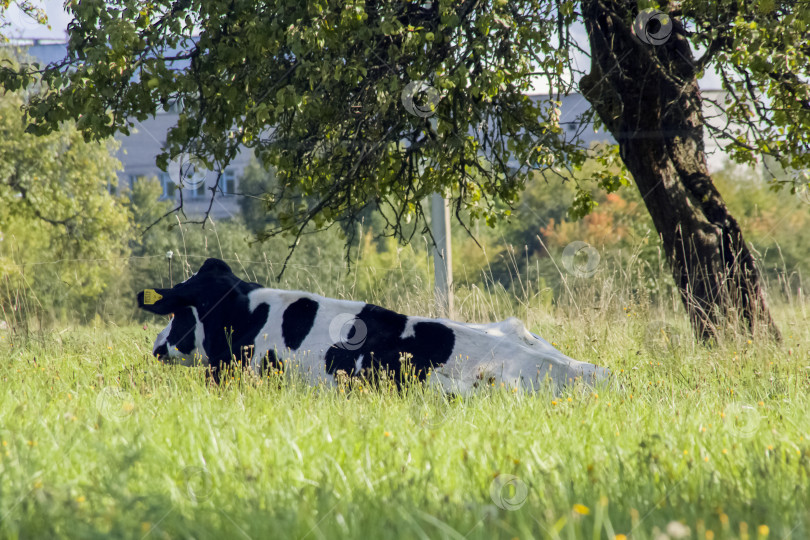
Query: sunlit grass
{"points": [[97, 439]]}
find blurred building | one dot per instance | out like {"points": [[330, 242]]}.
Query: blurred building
{"points": [[138, 150], [137, 153]]}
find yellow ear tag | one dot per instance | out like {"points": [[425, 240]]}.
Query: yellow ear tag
{"points": [[150, 296]]}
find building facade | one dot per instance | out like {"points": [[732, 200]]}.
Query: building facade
{"points": [[138, 151]]}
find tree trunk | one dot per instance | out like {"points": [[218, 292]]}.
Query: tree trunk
{"points": [[649, 99]]}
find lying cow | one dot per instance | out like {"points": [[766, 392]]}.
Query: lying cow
{"points": [[219, 318]]}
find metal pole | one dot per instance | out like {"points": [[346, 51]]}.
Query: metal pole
{"points": [[442, 255]]}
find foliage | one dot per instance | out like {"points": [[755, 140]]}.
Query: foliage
{"points": [[520, 262], [255, 202], [190, 245], [622, 234], [317, 266], [406, 269], [57, 216], [341, 137], [772, 220], [760, 51]]}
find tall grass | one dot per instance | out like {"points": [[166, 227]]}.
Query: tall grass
{"points": [[98, 440]]}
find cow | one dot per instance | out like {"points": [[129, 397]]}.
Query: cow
{"points": [[219, 319]]}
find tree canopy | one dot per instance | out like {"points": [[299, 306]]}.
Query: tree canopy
{"points": [[316, 89], [320, 89]]}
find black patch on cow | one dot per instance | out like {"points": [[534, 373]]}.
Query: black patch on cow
{"points": [[270, 362], [230, 328], [297, 322], [182, 334], [430, 345], [161, 351]]}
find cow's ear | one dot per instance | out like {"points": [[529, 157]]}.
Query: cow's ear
{"points": [[215, 266], [160, 301]]}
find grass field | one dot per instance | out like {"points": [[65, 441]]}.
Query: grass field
{"points": [[99, 440]]}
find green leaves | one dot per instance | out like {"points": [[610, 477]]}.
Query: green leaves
{"points": [[760, 51], [582, 205], [55, 203]]}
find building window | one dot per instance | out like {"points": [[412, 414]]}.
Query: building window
{"points": [[229, 179], [200, 191], [135, 178], [172, 107], [168, 186]]}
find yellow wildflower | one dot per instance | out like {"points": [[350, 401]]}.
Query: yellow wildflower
{"points": [[581, 509]]}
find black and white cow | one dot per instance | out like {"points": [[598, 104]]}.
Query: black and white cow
{"points": [[219, 318]]}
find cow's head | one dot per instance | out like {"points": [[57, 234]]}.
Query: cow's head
{"points": [[181, 342], [212, 305]]}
